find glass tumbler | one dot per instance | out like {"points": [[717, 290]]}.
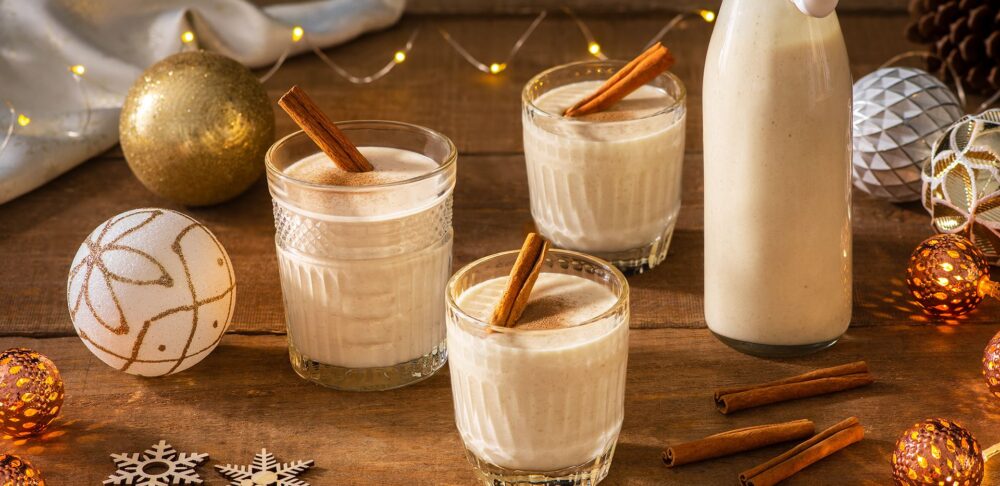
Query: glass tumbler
{"points": [[363, 268], [539, 407], [606, 185]]}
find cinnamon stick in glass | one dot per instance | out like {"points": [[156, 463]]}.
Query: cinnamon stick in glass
{"points": [[307, 115], [739, 440], [805, 454], [818, 382], [525, 271], [639, 71]]}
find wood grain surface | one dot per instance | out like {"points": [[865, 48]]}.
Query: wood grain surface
{"points": [[245, 396], [480, 7]]}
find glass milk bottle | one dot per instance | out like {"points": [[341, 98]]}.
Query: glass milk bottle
{"points": [[777, 134]]}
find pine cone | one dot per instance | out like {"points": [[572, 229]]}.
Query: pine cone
{"points": [[965, 34]]}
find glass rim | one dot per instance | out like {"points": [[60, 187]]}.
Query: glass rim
{"points": [[445, 166], [677, 104], [486, 326]]}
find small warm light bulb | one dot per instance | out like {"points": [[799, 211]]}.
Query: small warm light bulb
{"points": [[949, 276], [594, 48], [708, 15], [497, 67], [187, 37], [297, 33], [23, 120], [399, 57], [78, 69]]}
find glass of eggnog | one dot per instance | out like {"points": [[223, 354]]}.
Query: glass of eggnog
{"points": [[364, 256], [607, 183], [541, 402]]}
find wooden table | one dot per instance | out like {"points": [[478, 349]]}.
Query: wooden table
{"points": [[245, 396]]}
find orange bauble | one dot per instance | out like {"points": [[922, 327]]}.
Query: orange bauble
{"points": [[948, 275], [31, 392], [19, 472], [937, 452]]}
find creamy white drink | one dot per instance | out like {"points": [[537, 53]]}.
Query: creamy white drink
{"points": [[547, 394], [777, 126], [376, 310], [607, 183], [363, 259]]}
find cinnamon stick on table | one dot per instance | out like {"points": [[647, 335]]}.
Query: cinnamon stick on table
{"points": [[323, 131], [818, 382], [805, 454], [739, 440], [522, 278], [629, 78]]}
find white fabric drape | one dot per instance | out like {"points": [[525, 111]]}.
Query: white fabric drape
{"points": [[115, 40]]}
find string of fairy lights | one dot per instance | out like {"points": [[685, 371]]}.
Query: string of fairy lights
{"points": [[494, 67], [297, 34]]}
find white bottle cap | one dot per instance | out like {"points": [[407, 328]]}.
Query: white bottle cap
{"points": [[816, 8]]}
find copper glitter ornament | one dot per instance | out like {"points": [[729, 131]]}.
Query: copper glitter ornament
{"points": [[195, 126], [19, 472], [937, 452], [991, 365], [31, 392], [948, 276]]}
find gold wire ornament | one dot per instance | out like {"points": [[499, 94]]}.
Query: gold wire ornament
{"points": [[961, 182], [937, 452], [17, 471], [948, 276], [31, 392]]}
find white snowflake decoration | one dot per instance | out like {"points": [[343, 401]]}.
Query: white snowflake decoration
{"points": [[265, 471], [159, 466]]}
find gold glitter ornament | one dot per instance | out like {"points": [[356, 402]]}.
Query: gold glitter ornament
{"points": [[31, 392], [961, 182], [15, 471], [948, 276], [937, 452], [195, 126], [991, 365]]}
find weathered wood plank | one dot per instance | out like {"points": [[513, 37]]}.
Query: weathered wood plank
{"points": [[245, 396], [594, 7], [481, 112], [618, 6]]}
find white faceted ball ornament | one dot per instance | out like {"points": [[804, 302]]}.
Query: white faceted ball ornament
{"points": [[151, 292], [899, 113]]}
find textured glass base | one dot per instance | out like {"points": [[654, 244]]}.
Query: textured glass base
{"points": [[368, 379], [588, 474], [774, 350], [643, 259]]}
